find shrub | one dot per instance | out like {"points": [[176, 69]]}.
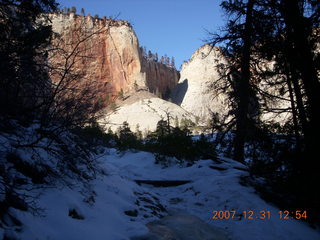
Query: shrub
{"points": [[33, 171], [126, 138], [167, 142], [94, 136]]}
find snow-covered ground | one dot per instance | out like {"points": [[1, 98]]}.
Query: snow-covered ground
{"points": [[145, 110], [114, 207]]}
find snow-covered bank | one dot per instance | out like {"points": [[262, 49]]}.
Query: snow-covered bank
{"points": [[114, 207]]}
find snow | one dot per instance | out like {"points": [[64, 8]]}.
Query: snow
{"points": [[146, 113], [102, 203]]}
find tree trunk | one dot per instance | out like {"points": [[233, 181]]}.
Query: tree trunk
{"points": [[293, 81], [298, 31], [294, 114], [243, 88]]}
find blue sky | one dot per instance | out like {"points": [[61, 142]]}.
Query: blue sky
{"points": [[172, 27]]}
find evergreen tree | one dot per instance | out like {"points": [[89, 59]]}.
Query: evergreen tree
{"points": [[150, 55], [301, 54], [172, 64], [240, 37], [144, 51], [243, 86], [24, 86], [74, 9], [138, 132], [82, 12], [162, 128], [162, 61], [126, 138], [281, 32], [166, 60]]}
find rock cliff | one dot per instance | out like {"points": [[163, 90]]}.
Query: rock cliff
{"points": [[197, 91], [194, 91], [160, 78], [112, 54]]}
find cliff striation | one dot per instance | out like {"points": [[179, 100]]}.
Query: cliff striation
{"points": [[111, 54], [161, 79]]}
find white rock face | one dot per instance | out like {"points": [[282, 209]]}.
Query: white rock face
{"points": [[196, 92], [198, 75], [144, 111]]}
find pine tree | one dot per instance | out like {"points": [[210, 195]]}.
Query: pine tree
{"points": [[138, 132], [243, 87], [280, 32], [176, 122], [150, 55], [172, 64], [126, 138], [162, 128], [24, 79], [144, 51], [239, 51], [299, 30], [162, 60], [166, 60], [82, 12], [74, 9]]}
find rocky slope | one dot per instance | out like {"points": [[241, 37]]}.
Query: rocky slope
{"points": [[143, 109], [113, 54]]}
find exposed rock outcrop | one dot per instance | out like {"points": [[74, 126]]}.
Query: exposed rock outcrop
{"points": [[194, 90], [160, 77], [197, 92], [113, 55]]}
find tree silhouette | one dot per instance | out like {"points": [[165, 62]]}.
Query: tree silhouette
{"points": [[23, 45], [271, 50]]}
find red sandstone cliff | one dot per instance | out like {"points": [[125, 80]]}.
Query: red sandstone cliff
{"points": [[109, 53], [160, 77]]}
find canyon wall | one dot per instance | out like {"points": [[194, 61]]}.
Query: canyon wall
{"points": [[197, 89], [110, 54], [161, 79]]}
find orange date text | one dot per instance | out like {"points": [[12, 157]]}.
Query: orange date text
{"points": [[258, 214]]}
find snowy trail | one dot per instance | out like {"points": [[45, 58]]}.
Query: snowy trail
{"points": [[115, 207], [210, 190]]}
